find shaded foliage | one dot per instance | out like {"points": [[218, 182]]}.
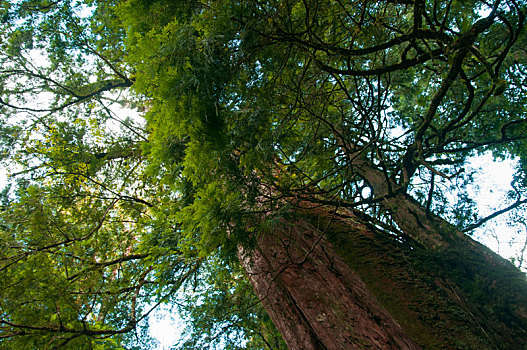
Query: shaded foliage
{"points": [[249, 107]]}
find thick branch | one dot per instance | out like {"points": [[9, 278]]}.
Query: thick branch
{"points": [[97, 265]]}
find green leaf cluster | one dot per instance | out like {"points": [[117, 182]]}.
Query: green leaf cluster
{"points": [[250, 108]]}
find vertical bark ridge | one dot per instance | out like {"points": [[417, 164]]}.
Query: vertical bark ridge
{"points": [[313, 297]]}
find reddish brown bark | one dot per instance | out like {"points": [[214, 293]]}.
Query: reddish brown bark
{"points": [[313, 297], [496, 277], [448, 291]]}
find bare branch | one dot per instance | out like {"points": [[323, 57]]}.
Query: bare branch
{"points": [[493, 215]]}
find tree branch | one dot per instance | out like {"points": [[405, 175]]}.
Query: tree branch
{"points": [[109, 85], [493, 215]]}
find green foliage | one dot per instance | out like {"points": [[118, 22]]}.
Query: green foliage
{"points": [[223, 313], [242, 84], [249, 108]]}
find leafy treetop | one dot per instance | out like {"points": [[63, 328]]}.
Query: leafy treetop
{"points": [[250, 107]]}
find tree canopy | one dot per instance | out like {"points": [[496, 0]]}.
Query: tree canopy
{"points": [[148, 140]]}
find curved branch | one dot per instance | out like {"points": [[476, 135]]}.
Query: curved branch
{"points": [[110, 85], [95, 265], [386, 69], [28, 73], [63, 329], [493, 215]]}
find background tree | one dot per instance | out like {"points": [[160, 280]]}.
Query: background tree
{"points": [[275, 130]]}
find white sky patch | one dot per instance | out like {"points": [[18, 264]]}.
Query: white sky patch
{"points": [[3, 177], [490, 193], [166, 326], [491, 185]]}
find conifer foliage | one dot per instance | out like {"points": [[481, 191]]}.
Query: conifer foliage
{"points": [[167, 151]]}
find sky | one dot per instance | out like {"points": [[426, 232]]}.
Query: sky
{"points": [[490, 188], [166, 327]]}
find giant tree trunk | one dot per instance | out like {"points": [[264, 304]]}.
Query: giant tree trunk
{"points": [[355, 292], [313, 297]]}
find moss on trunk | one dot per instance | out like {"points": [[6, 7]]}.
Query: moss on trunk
{"points": [[443, 299]]}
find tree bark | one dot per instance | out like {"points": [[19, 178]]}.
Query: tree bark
{"points": [[315, 300], [332, 281], [479, 271]]}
